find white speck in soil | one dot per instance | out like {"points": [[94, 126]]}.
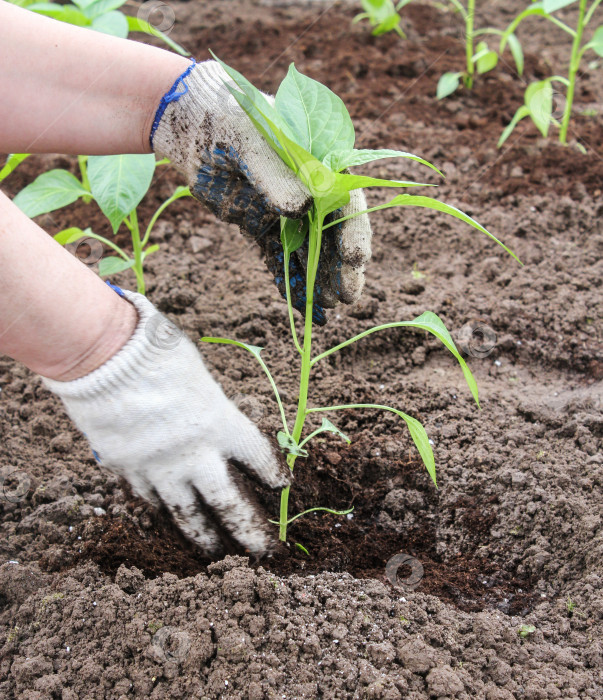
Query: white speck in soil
{"points": [[431, 442], [337, 524], [498, 363], [350, 516], [68, 649]]}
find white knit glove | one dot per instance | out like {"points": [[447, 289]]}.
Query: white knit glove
{"points": [[154, 415], [230, 167]]}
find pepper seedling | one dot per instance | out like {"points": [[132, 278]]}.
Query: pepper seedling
{"points": [[117, 184], [479, 59], [539, 96], [310, 129], [382, 15]]}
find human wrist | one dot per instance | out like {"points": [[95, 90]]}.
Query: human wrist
{"points": [[121, 322]]}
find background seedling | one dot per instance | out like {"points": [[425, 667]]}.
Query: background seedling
{"points": [[480, 58], [525, 631], [382, 15], [310, 129], [539, 96], [117, 184]]}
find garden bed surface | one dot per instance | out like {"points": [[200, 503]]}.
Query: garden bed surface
{"points": [[100, 596]]}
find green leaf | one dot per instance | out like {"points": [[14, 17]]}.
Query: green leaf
{"points": [[70, 235], [84, 4], [64, 13], [150, 250], [328, 427], [516, 52], [288, 444], [255, 351], [293, 233], [433, 324], [112, 265], [354, 182], [417, 431], [302, 548], [323, 184], [427, 321], [118, 183], [339, 160], [484, 59], [49, 191], [13, 160], [539, 100], [596, 44], [101, 7], [136, 24], [554, 5], [113, 23], [317, 117], [387, 25], [447, 84], [521, 113], [408, 200], [264, 116], [421, 440]]}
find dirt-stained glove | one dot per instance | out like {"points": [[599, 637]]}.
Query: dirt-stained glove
{"points": [[231, 168], [154, 415]]}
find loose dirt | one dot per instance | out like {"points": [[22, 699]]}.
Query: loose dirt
{"points": [[100, 596]]}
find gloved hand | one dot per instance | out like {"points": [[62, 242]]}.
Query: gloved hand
{"points": [[154, 415], [231, 168]]}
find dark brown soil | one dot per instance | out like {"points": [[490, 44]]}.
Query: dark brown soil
{"points": [[512, 536]]}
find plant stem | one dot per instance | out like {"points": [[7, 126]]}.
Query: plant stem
{"points": [[137, 246], [573, 70], [315, 237], [469, 43], [180, 192], [83, 163]]}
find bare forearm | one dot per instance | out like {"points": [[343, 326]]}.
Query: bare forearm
{"points": [[56, 315], [66, 89]]}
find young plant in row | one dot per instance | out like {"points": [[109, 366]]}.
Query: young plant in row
{"points": [[310, 129], [117, 184], [382, 15], [479, 58], [539, 97]]}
